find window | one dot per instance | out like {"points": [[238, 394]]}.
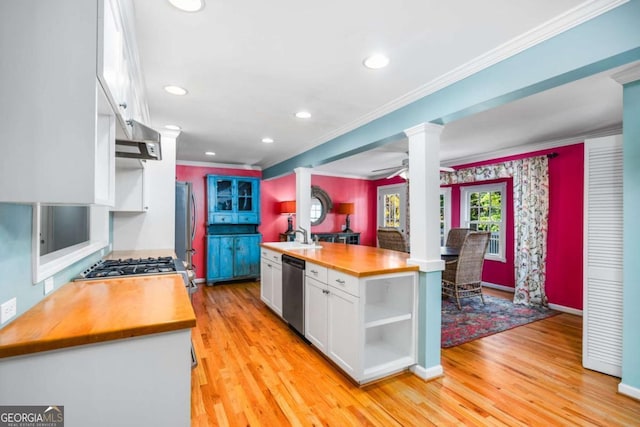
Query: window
{"points": [[62, 227], [65, 235], [391, 210], [392, 206], [483, 209], [445, 213]]}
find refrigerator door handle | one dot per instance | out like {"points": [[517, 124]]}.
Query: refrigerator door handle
{"points": [[193, 218]]}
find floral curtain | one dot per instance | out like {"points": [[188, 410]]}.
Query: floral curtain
{"points": [[531, 211]]}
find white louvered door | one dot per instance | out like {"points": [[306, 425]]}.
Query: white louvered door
{"points": [[602, 307]]}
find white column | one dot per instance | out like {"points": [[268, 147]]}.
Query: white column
{"points": [[424, 196], [303, 200], [630, 79]]}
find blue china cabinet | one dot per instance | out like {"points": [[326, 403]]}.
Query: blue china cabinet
{"points": [[233, 216]]}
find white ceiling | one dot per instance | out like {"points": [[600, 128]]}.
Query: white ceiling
{"points": [[249, 66]]}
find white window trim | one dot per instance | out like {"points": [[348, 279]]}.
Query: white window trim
{"points": [[54, 262], [402, 190], [464, 212], [446, 192]]}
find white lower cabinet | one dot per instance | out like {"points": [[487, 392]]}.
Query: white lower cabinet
{"points": [[271, 279], [316, 312], [344, 337], [367, 326]]}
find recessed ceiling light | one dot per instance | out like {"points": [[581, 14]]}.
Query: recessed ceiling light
{"points": [[175, 90], [376, 61], [188, 5], [210, 153], [172, 127], [303, 114], [267, 140]]}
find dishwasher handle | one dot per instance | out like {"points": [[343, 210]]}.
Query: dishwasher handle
{"points": [[295, 262]]}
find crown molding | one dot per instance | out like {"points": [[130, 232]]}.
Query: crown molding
{"points": [[529, 148], [628, 75], [217, 165], [559, 24]]}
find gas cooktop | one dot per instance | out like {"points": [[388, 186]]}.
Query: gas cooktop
{"points": [[130, 267]]}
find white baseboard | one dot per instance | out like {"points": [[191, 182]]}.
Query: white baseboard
{"points": [[427, 373], [499, 287], [627, 390], [200, 280], [564, 309], [556, 307]]}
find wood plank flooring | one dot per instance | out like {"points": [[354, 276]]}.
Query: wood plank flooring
{"points": [[254, 371]]}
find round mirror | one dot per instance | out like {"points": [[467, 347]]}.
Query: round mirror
{"points": [[320, 205], [316, 210]]}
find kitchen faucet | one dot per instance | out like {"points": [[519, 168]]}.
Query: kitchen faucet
{"points": [[304, 235]]}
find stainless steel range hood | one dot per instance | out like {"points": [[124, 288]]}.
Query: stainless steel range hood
{"points": [[144, 143]]}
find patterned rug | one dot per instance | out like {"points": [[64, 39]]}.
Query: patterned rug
{"points": [[476, 320]]}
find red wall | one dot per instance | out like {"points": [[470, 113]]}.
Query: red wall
{"points": [[197, 176], [340, 190], [565, 227]]}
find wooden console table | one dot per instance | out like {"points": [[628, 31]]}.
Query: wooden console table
{"points": [[349, 238]]}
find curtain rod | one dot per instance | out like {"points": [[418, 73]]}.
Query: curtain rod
{"points": [[552, 155]]}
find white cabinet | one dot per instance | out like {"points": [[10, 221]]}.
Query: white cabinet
{"points": [[316, 303], [271, 279], [344, 337], [67, 66], [132, 194], [115, 70], [367, 325], [58, 132]]}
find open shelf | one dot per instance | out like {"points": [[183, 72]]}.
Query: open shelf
{"points": [[380, 358], [388, 345], [377, 315]]}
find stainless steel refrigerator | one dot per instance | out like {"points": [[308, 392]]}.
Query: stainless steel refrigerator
{"points": [[185, 222]]}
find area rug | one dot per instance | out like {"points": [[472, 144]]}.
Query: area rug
{"points": [[476, 320]]}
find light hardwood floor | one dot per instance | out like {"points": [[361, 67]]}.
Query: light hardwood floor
{"points": [[254, 371]]}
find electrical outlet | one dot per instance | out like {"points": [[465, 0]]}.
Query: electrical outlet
{"points": [[8, 310], [48, 285]]}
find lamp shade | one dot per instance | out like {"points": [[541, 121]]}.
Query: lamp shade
{"points": [[346, 208], [288, 207]]}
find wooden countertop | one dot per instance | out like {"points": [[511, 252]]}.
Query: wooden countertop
{"points": [[355, 260], [100, 310]]}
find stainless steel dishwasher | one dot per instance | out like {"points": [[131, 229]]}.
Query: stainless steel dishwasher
{"points": [[293, 292]]}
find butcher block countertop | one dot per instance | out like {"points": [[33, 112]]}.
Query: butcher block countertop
{"points": [[96, 311], [355, 260]]}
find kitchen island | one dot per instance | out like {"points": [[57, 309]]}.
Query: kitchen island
{"points": [[360, 304], [112, 352]]}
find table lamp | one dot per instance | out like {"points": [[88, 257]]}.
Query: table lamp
{"points": [[289, 208], [348, 209]]}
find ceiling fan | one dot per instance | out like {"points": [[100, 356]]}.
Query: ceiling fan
{"points": [[403, 169]]}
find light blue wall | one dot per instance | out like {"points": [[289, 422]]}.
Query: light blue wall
{"points": [[15, 259], [631, 267]]}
